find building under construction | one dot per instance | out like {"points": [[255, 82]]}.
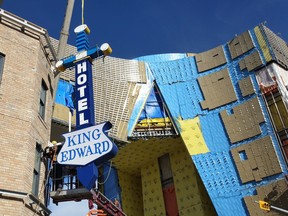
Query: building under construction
{"points": [[198, 134]]}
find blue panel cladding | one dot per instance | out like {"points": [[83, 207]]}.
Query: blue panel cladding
{"points": [[111, 183], [161, 57], [178, 85], [214, 132], [183, 99], [217, 168], [177, 81], [176, 71], [218, 171], [221, 180]]}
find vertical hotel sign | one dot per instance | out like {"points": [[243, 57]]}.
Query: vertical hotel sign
{"points": [[89, 143], [84, 94]]}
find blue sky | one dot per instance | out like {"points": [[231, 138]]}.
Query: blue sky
{"points": [[137, 28], [144, 27], [70, 208]]}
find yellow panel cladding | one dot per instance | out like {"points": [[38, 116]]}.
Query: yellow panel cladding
{"points": [[131, 195], [192, 197], [153, 201], [138, 153], [197, 210], [263, 44], [192, 136]]}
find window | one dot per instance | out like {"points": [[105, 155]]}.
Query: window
{"points": [[243, 155], [279, 115], [42, 103], [168, 188], [165, 170], [36, 170], [2, 59]]}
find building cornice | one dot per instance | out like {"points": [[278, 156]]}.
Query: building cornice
{"points": [[30, 29]]}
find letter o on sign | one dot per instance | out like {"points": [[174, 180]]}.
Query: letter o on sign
{"points": [[81, 79]]}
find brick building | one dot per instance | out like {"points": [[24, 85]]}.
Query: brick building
{"points": [[26, 89]]}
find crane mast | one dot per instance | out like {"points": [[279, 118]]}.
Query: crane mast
{"points": [[63, 40], [65, 29]]}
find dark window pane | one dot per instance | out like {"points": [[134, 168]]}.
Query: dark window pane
{"points": [[2, 59], [42, 102], [36, 171]]}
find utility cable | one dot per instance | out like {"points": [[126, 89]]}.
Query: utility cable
{"points": [[101, 183]]}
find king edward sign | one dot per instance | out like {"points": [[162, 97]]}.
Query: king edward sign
{"points": [[86, 145], [89, 145]]}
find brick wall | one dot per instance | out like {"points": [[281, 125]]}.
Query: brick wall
{"points": [[21, 127]]}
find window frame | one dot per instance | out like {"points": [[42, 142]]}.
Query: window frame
{"points": [[2, 62], [43, 100], [36, 170]]}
